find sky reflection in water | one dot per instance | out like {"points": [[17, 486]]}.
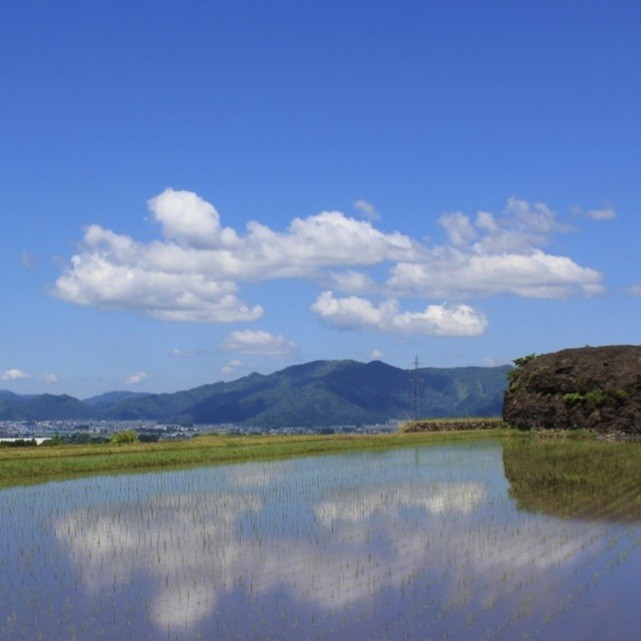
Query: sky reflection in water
{"points": [[407, 544]]}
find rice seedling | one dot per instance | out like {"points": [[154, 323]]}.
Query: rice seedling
{"points": [[439, 542]]}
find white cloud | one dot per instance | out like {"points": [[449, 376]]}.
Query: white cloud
{"points": [[50, 379], [376, 354], [367, 209], [353, 281], [605, 213], [520, 228], [454, 273], [28, 260], [195, 270], [437, 320], [487, 256], [495, 362], [187, 353], [250, 341], [327, 239], [13, 375], [633, 290], [458, 228], [187, 218], [193, 274], [608, 213], [137, 377], [100, 277], [231, 366]]}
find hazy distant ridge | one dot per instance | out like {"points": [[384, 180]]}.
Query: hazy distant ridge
{"points": [[316, 393]]}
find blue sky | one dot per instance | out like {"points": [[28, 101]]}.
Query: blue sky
{"points": [[193, 191]]}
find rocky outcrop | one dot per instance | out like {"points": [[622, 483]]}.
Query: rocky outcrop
{"points": [[597, 388]]}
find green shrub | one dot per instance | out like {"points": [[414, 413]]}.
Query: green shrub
{"points": [[124, 437], [520, 362], [524, 360], [595, 397], [22, 442], [573, 398]]}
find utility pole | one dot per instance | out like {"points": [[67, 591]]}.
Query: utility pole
{"points": [[416, 365]]}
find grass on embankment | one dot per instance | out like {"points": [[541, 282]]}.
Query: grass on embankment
{"points": [[20, 466]]}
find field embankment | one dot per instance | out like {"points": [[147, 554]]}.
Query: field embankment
{"points": [[452, 424]]}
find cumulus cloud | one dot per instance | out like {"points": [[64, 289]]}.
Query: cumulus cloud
{"points": [[367, 209], [495, 362], [193, 274], [250, 341], [13, 375], [454, 273], [520, 229], [195, 270], [50, 379], [137, 378], [187, 353], [605, 213], [376, 354], [28, 260], [190, 220], [110, 276], [353, 281], [353, 312], [231, 366], [496, 255], [458, 228]]}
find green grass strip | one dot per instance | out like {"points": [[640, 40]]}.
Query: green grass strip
{"points": [[22, 466]]}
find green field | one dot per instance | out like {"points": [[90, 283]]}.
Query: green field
{"points": [[21, 466], [532, 459]]}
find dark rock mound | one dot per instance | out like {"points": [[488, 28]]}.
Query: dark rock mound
{"points": [[597, 388]]}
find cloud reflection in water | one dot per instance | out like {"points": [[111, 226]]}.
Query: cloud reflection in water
{"points": [[330, 532]]}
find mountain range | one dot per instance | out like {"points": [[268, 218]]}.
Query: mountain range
{"points": [[319, 393]]}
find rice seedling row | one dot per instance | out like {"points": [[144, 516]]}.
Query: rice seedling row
{"points": [[418, 543]]}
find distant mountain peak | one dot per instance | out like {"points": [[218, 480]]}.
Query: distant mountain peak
{"points": [[321, 392]]}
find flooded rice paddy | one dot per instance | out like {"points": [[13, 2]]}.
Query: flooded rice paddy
{"points": [[427, 543]]}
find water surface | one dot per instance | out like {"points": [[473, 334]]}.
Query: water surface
{"points": [[424, 543]]}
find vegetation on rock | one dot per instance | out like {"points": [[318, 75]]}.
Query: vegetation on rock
{"points": [[596, 388]]}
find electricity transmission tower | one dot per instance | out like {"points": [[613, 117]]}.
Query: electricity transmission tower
{"points": [[416, 380]]}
